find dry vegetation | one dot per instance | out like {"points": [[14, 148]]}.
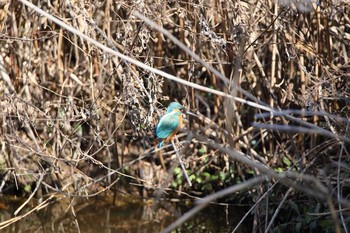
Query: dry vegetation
{"points": [[77, 120]]}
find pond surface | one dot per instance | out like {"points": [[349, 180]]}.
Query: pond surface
{"points": [[99, 215]]}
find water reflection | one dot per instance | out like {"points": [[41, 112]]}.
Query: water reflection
{"points": [[100, 216]]}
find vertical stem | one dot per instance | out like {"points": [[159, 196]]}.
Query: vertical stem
{"points": [[273, 70], [181, 164]]}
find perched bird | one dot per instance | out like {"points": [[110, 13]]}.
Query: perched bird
{"points": [[171, 122], [175, 105]]}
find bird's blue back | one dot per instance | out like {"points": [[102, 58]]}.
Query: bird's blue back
{"points": [[169, 122], [167, 125]]}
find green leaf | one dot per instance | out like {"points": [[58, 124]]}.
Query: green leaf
{"points": [[206, 175], [286, 161], [222, 176], [279, 169], [192, 177], [203, 150], [251, 171], [208, 187], [294, 207], [174, 184], [177, 171], [28, 188], [214, 177]]}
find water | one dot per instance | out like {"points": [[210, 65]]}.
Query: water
{"points": [[102, 216]]}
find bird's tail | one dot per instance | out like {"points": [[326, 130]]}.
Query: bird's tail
{"points": [[160, 144]]}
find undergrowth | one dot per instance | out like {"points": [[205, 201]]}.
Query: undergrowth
{"points": [[77, 120]]}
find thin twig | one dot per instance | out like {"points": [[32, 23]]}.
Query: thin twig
{"points": [[253, 207], [181, 164], [278, 209], [207, 200], [38, 183], [8, 222]]}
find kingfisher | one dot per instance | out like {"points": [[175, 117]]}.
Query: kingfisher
{"points": [[171, 122]]}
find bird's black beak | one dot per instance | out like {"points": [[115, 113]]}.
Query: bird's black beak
{"points": [[189, 113]]}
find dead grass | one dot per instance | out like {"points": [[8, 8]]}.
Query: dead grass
{"points": [[79, 119]]}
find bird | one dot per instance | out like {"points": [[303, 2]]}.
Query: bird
{"points": [[167, 128], [171, 122]]}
